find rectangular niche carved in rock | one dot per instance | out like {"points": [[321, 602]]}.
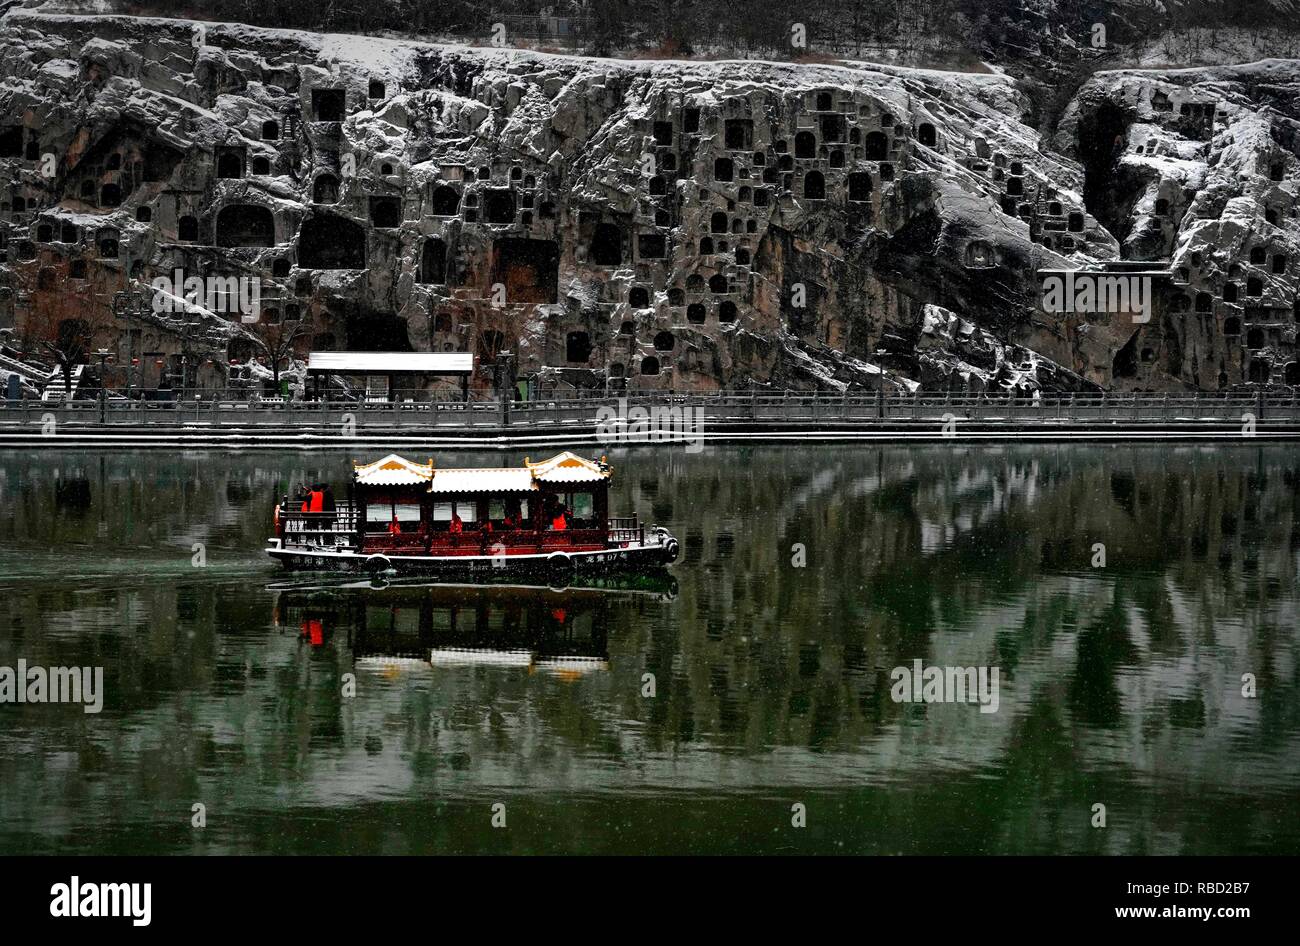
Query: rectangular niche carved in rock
{"points": [[529, 269], [328, 105], [499, 206], [651, 246], [739, 134]]}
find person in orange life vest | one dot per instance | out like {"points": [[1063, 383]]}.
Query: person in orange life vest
{"points": [[561, 520], [317, 500], [456, 527], [394, 527]]}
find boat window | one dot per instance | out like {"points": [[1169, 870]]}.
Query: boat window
{"points": [[442, 512], [497, 510], [580, 505]]}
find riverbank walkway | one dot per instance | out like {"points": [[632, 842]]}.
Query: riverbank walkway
{"points": [[219, 419]]}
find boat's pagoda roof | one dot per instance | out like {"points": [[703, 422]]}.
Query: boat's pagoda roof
{"points": [[392, 470], [564, 469]]}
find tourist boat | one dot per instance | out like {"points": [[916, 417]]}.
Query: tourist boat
{"points": [[548, 518]]}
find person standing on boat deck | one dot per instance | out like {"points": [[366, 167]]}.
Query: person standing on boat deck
{"points": [[328, 498], [317, 499], [394, 527], [456, 527], [561, 520]]}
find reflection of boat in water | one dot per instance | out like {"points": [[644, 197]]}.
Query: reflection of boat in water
{"points": [[446, 625], [545, 518]]}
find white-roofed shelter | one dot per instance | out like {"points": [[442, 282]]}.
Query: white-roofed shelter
{"points": [[382, 369]]}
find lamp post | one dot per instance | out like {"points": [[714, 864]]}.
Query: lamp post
{"points": [[103, 355]]}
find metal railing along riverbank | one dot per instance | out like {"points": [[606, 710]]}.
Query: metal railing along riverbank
{"points": [[215, 409]]}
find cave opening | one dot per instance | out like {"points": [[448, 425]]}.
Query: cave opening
{"points": [[876, 147], [245, 225], [1126, 361], [368, 330], [325, 190], [651, 246], [738, 134], [805, 145], [499, 206], [328, 105], [386, 212], [1109, 192], [529, 269], [330, 242], [230, 164], [606, 248], [577, 347], [834, 128], [859, 187], [445, 201], [433, 262], [11, 142]]}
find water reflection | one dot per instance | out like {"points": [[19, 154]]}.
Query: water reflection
{"points": [[564, 630], [806, 576]]}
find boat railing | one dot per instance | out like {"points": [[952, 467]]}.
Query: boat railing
{"points": [[626, 529], [334, 527]]}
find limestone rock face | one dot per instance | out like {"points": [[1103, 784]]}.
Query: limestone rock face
{"points": [[636, 225]]}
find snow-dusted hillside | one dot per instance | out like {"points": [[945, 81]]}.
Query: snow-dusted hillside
{"points": [[656, 224]]}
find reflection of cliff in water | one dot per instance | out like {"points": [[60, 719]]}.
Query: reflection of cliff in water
{"points": [[441, 624]]}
